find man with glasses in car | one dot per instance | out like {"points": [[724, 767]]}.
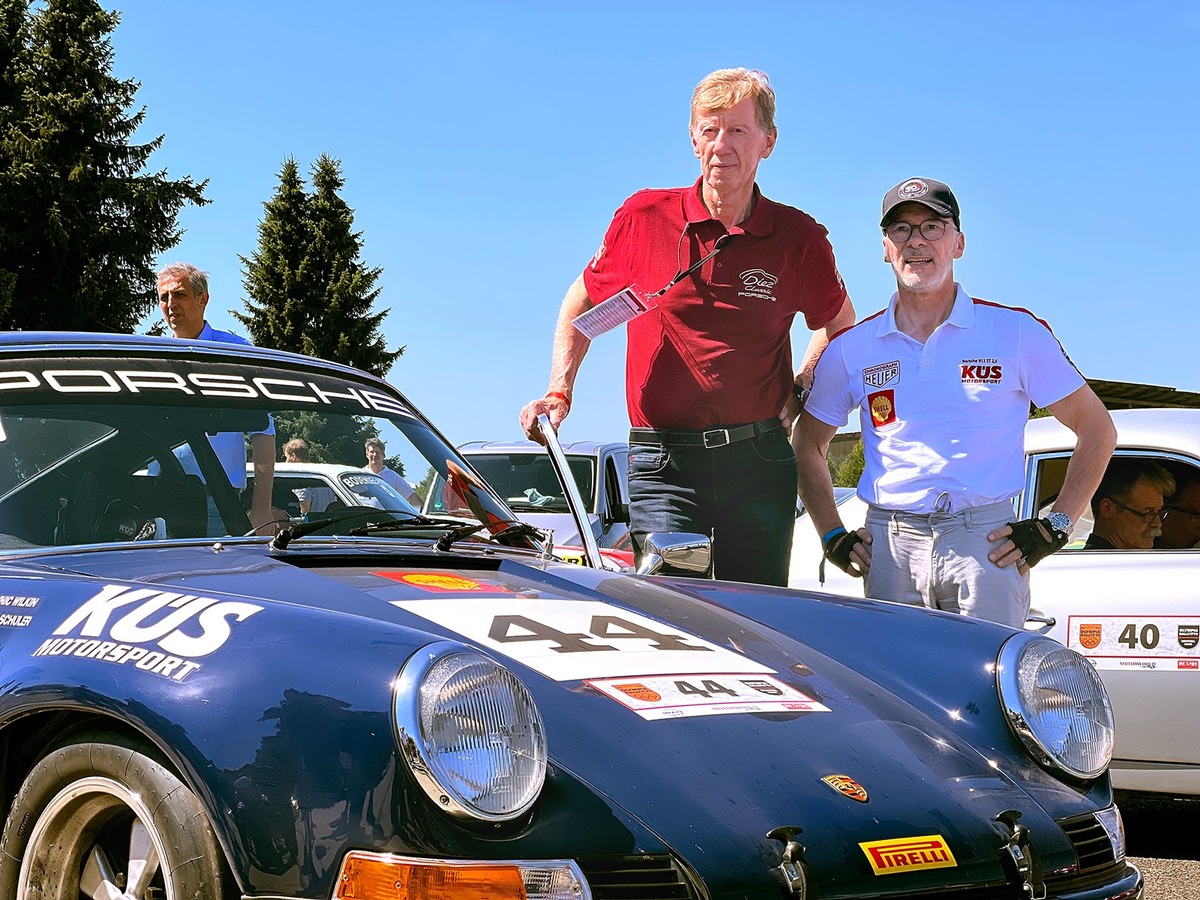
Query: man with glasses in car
{"points": [[1128, 507], [943, 384]]}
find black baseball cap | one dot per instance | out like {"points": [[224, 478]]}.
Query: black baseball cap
{"points": [[934, 194]]}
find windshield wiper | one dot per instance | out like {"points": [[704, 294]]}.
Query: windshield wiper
{"points": [[302, 529], [514, 529]]}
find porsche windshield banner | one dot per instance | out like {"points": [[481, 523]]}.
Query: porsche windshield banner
{"points": [[190, 382]]}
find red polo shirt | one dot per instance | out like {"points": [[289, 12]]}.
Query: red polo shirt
{"points": [[717, 348]]}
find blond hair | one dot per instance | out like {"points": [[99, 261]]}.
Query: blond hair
{"points": [[726, 88]]}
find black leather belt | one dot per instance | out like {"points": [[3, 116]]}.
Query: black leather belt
{"points": [[712, 437]]}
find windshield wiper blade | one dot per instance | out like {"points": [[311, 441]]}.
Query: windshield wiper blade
{"points": [[514, 529], [302, 529]]}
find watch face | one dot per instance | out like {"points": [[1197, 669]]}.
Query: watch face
{"points": [[1061, 521]]}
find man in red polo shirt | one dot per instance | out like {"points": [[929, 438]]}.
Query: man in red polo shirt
{"points": [[709, 376]]}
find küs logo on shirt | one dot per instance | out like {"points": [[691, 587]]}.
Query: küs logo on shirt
{"points": [[984, 370], [758, 283]]}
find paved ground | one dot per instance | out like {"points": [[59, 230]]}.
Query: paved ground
{"points": [[1164, 842]]}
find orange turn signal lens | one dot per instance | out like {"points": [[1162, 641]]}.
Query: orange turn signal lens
{"points": [[378, 876]]}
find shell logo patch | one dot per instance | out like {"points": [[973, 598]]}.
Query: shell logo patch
{"points": [[441, 582], [929, 851], [846, 785], [883, 407], [639, 692], [1090, 635]]}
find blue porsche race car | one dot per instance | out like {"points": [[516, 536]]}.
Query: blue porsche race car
{"points": [[197, 703]]}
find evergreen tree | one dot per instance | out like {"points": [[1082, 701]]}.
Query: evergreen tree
{"points": [[282, 296], [82, 222], [850, 469], [307, 285]]}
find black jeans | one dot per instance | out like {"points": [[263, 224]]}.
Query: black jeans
{"points": [[743, 494]]}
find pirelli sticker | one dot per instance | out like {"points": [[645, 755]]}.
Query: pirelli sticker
{"points": [[929, 851], [714, 694], [1145, 642]]}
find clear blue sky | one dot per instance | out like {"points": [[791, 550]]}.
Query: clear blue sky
{"points": [[486, 145]]}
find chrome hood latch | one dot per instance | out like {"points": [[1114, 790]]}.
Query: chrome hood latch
{"points": [[1021, 854], [794, 871]]}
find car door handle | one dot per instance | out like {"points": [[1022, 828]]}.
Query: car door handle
{"points": [[1040, 619]]}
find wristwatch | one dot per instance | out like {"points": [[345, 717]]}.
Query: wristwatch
{"points": [[1060, 522]]}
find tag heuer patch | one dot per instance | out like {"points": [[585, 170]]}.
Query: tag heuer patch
{"points": [[882, 375]]}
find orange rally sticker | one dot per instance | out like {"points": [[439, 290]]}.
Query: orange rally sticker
{"points": [[1090, 634], [883, 407], [441, 582], [929, 851], [639, 692]]}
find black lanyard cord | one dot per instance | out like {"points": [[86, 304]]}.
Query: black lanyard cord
{"points": [[684, 273]]}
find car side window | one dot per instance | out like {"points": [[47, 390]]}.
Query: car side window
{"points": [[1047, 474]]}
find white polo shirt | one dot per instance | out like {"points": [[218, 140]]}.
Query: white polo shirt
{"points": [[946, 416]]}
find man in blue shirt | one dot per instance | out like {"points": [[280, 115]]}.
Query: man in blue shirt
{"points": [[182, 297]]}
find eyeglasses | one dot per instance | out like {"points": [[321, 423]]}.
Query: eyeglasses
{"points": [[1150, 516], [1180, 511], [931, 230]]}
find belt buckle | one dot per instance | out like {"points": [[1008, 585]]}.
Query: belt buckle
{"points": [[717, 437]]}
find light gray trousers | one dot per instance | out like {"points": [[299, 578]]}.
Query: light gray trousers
{"points": [[940, 561]]}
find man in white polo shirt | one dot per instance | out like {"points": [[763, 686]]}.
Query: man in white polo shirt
{"points": [[943, 384]]}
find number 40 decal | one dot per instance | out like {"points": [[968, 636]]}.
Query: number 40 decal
{"points": [[1147, 637]]}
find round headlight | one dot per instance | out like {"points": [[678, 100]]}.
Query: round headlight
{"points": [[471, 733], [1056, 704]]}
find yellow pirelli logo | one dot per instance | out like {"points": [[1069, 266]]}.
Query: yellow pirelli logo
{"points": [[929, 851]]}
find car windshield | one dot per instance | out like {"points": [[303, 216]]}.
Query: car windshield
{"points": [[527, 481], [148, 446]]}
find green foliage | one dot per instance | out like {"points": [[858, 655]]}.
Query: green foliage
{"points": [[847, 472], [81, 222], [329, 441], [307, 286]]}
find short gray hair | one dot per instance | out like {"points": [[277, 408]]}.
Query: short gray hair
{"points": [[196, 279], [1123, 474]]}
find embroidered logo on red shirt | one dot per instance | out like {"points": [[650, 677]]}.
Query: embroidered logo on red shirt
{"points": [[883, 407], [758, 283]]}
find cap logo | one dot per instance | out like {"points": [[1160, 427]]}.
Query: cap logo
{"points": [[912, 189]]}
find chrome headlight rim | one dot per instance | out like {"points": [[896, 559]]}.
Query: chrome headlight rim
{"points": [[413, 740], [1019, 715]]}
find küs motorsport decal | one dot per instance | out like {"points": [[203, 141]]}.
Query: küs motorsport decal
{"points": [[160, 632]]}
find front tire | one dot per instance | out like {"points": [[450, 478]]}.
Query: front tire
{"points": [[103, 817]]}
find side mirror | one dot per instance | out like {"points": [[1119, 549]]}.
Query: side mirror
{"points": [[676, 553]]}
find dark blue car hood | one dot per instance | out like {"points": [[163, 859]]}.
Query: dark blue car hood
{"points": [[872, 753]]}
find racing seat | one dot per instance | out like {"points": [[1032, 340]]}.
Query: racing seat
{"points": [[124, 508]]}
